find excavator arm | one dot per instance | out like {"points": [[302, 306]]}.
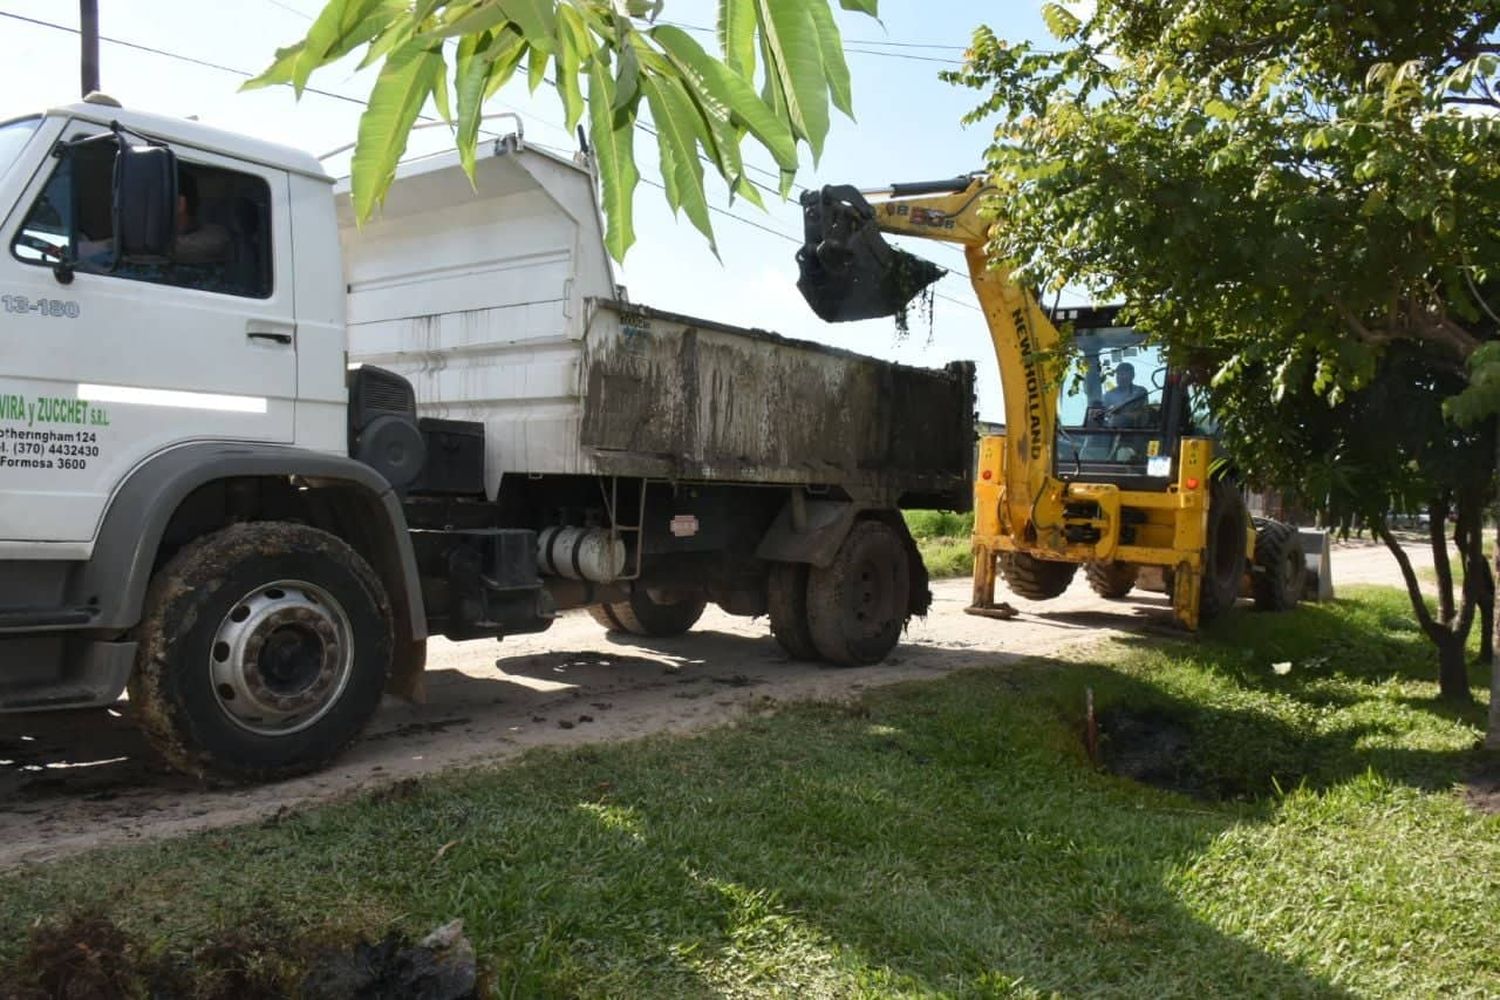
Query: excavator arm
{"points": [[849, 273]]}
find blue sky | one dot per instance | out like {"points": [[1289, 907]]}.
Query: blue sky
{"points": [[908, 128]]}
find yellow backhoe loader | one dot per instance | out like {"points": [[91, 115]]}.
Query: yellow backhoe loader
{"points": [[1107, 458]]}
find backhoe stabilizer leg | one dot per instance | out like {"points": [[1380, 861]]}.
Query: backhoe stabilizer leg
{"points": [[1187, 584], [982, 602]]}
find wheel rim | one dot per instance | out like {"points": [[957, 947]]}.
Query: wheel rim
{"points": [[281, 658], [870, 599]]}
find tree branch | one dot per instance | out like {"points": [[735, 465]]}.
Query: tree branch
{"points": [[1413, 586]]}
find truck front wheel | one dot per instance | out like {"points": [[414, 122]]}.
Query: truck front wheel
{"points": [[858, 604], [264, 650]]}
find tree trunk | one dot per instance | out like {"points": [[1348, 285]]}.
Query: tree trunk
{"points": [[1453, 668], [1453, 681], [1437, 534], [1492, 737]]}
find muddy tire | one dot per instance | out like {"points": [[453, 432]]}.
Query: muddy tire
{"points": [[1112, 580], [604, 614], [642, 616], [786, 603], [858, 604], [1281, 566], [1035, 579], [264, 650], [1224, 554]]}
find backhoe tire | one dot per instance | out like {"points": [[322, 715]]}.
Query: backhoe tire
{"points": [[645, 617], [1035, 579], [786, 603], [1112, 580], [1224, 553], [1281, 566], [264, 649], [858, 604]]}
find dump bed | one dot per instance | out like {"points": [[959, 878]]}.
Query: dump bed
{"points": [[497, 301]]}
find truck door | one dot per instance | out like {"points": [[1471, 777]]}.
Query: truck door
{"points": [[99, 373]]}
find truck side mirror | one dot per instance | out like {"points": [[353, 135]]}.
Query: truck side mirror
{"points": [[145, 197]]}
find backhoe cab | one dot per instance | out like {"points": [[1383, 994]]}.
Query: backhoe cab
{"points": [[1105, 462]]}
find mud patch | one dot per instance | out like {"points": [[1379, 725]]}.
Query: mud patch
{"points": [[87, 955]]}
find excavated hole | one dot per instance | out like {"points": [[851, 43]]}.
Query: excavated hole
{"points": [[1189, 753]]}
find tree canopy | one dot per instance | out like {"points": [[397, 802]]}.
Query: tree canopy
{"points": [[781, 64], [1303, 199]]}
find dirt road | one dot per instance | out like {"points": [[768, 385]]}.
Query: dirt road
{"points": [[72, 781]]}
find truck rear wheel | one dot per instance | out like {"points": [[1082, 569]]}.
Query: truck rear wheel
{"points": [[858, 605], [643, 616], [1112, 580], [1035, 579], [1224, 555], [1281, 566], [264, 650], [786, 601]]}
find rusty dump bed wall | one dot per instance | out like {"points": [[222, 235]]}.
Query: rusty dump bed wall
{"points": [[495, 299], [671, 395]]}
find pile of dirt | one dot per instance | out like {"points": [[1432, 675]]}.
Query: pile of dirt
{"points": [[87, 956]]}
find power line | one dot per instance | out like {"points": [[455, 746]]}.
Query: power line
{"points": [[872, 42], [291, 10]]}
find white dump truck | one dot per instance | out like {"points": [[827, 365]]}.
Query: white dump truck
{"points": [[252, 456]]}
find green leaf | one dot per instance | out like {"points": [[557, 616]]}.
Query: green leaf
{"points": [[537, 20], [471, 67], [737, 35], [613, 138], [507, 51], [407, 78], [536, 67], [340, 27], [440, 97], [791, 42], [1217, 108], [831, 46], [863, 6], [1060, 21], [627, 77], [1444, 219], [677, 138], [573, 46], [714, 80]]}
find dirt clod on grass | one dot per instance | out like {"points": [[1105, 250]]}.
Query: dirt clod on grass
{"points": [[86, 956]]}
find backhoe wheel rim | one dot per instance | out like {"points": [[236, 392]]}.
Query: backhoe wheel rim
{"points": [[281, 658]]}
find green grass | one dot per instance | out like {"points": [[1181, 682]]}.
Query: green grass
{"points": [[942, 538], [938, 838]]}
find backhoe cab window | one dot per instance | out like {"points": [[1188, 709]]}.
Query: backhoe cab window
{"points": [[1110, 407], [223, 226]]}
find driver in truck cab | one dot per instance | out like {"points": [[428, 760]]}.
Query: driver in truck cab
{"points": [[196, 243]]}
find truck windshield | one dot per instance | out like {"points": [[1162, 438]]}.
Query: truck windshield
{"points": [[1110, 414], [13, 136]]}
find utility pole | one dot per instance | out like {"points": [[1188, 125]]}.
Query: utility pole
{"points": [[88, 35]]}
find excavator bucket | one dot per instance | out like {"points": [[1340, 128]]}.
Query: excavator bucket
{"points": [[849, 271]]}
